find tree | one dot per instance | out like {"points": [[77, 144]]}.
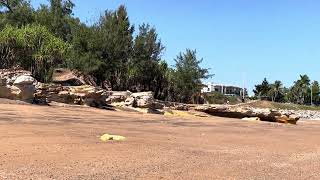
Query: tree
{"points": [[315, 93], [41, 39], [188, 75], [56, 18], [300, 89], [16, 13], [145, 73], [263, 89], [276, 91], [113, 45]]}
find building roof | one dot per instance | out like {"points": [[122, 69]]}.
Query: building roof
{"points": [[220, 84]]}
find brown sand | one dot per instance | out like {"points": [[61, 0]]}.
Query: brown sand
{"points": [[63, 143]]}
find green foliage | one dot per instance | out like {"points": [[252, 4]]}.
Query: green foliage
{"points": [[31, 47], [315, 92], [266, 91], [16, 13], [56, 17], [113, 45], [299, 93], [188, 75], [262, 90], [50, 36], [145, 69], [219, 98]]}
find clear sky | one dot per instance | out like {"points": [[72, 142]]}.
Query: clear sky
{"points": [[277, 39]]}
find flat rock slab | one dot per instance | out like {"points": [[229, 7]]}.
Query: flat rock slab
{"points": [[246, 112]]}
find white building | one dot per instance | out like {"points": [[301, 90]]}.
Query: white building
{"points": [[228, 90]]}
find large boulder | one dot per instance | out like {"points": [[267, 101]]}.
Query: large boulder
{"points": [[118, 96], [17, 85], [24, 87], [142, 99], [24, 80]]}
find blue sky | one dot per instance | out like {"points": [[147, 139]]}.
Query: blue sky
{"points": [[277, 39]]}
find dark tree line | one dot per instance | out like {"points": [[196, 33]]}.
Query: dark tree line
{"points": [[303, 91], [50, 36]]}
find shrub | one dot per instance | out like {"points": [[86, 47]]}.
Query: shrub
{"points": [[33, 48]]}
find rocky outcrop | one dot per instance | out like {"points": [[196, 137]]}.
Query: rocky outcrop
{"points": [[143, 100], [243, 112], [118, 96], [67, 77], [79, 95], [17, 85]]}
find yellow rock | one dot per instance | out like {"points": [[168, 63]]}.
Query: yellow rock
{"points": [[166, 113], [109, 137], [183, 114]]}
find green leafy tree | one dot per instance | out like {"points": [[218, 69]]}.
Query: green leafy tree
{"points": [[276, 91], [50, 36], [16, 13], [56, 18], [145, 72], [263, 89], [314, 86], [113, 45], [300, 89], [188, 76]]}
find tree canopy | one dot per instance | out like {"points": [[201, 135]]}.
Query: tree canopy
{"points": [[300, 92]]}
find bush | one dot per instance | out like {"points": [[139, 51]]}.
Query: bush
{"points": [[33, 48], [219, 98]]}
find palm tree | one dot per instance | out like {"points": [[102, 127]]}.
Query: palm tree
{"points": [[301, 87], [275, 90]]}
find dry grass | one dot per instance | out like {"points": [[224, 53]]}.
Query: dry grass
{"points": [[288, 106]]}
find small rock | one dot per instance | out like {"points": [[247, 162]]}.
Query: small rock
{"points": [[109, 137]]}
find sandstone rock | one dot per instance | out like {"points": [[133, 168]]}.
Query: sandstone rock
{"points": [[171, 105], [243, 112], [293, 119], [17, 85], [180, 107], [66, 77], [118, 96], [282, 119], [24, 80], [79, 95], [143, 99]]}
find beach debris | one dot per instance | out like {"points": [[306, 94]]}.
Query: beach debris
{"points": [[109, 137]]}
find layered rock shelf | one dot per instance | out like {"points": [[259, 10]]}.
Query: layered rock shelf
{"points": [[247, 112], [71, 87]]}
